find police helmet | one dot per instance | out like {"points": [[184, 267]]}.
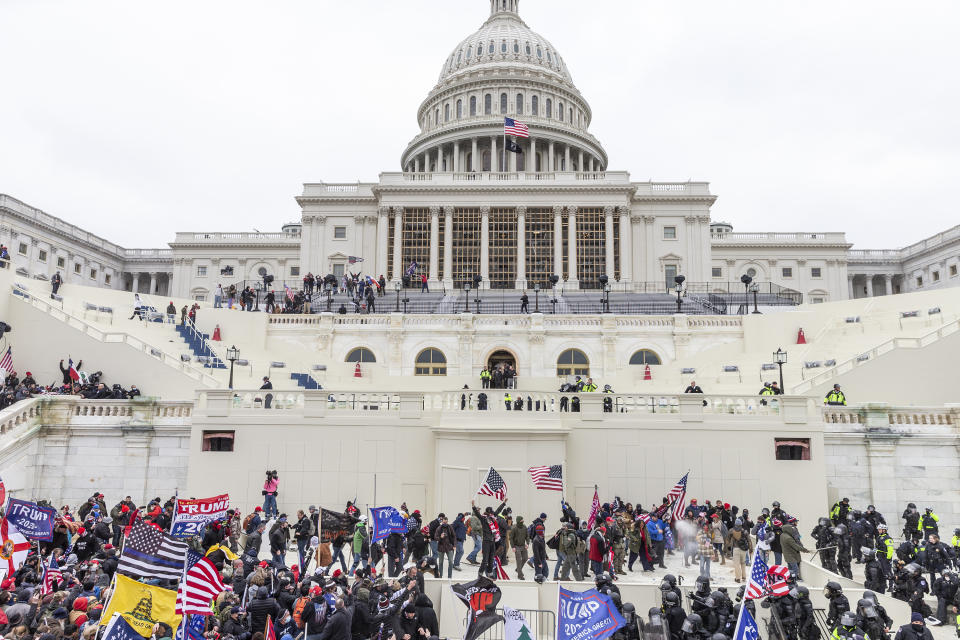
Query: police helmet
{"points": [[692, 623], [802, 592], [856, 514], [742, 590], [911, 505], [670, 597], [710, 602], [848, 619], [703, 584], [629, 612], [823, 522], [616, 599], [668, 582], [913, 569], [776, 504], [870, 595], [603, 577], [832, 589], [870, 507], [881, 527], [867, 552], [840, 530], [956, 532], [765, 511], [793, 593]]}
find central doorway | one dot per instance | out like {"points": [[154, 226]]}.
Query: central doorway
{"points": [[502, 366]]}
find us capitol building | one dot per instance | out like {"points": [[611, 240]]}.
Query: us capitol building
{"points": [[463, 206]]}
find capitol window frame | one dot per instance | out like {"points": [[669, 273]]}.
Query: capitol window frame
{"points": [[548, 109], [573, 362], [430, 362], [953, 271], [493, 47], [201, 271], [670, 233], [22, 248], [459, 109], [362, 355], [488, 104], [473, 105], [787, 272], [42, 255], [936, 276], [560, 110], [816, 272], [519, 104], [503, 46], [339, 233], [535, 106], [643, 357], [446, 112], [716, 272], [61, 263], [504, 103], [93, 275]]}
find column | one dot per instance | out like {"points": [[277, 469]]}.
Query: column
{"points": [[609, 263], [550, 167], [474, 158], [572, 244], [485, 246], [426, 162], [439, 159], [888, 284], [319, 261], [532, 163], [566, 158], [448, 246], [580, 168], [494, 159], [521, 248], [434, 246], [557, 238], [169, 283], [358, 235], [626, 233], [869, 285], [397, 244], [382, 221], [456, 157], [591, 163], [153, 283], [653, 275], [416, 164], [850, 290]]}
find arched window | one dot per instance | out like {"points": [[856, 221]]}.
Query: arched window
{"points": [[520, 104], [571, 116], [360, 354], [459, 56], [548, 112], [503, 103], [446, 112], [487, 104], [473, 105], [516, 47], [469, 52], [645, 356], [560, 110], [503, 46], [431, 362], [540, 53], [486, 161], [437, 119], [491, 49], [527, 49], [573, 362], [459, 109], [535, 105], [549, 59]]}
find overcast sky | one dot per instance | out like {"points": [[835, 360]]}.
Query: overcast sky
{"points": [[135, 120]]}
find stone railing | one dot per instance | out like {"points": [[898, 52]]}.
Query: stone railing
{"points": [[236, 237], [20, 413], [571, 406], [64, 410], [881, 416], [510, 177], [52, 223], [798, 237]]}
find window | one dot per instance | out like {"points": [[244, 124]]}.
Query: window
{"points": [[200, 297], [570, 120], [549, 108], [201, 271], [549, 58], [516, 47], [815, 272], [936, 276], [459, 57], [436, 116], [503, 46], [792, 448], [431, 362], [716, 272], [491, 49], [953, 269], [107, 278], [294, 271], [540, 53], [469, 52], [527, 48], [340, 233], [787, 272], [93, 275], [77, 267], [503, 103], [446, 112], [61, 263], [817, 300], [573, 362], [473, 105], [560, 109], [669, 233], [487, 104], [644, 356], [218, 440], [339, 270], [535, 105], [361, 354], [42, 257], [520, 104], [22, 249], [919, 281], [459, 109]]}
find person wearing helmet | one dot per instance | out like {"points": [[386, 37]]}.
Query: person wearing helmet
{"points": [[847, 629], [842, 537], [839, 511], [873, 574], [827, 543], [945, 589], [873, 516], [669, 585], [672, 611], [929, 523], [955, 545], [911, 522], [910, 586], [869, 620], [887, 621], [933, 556], [885, 551], [803, 612], [776, 512], [839, 604], [692, 628], [916, 630], [862, 533]]}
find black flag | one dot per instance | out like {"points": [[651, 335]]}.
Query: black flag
{"points": [[333, 524], [481, 597], [513, 146]]}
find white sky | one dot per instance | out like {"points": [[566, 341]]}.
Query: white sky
{"points": [[136, 120]]}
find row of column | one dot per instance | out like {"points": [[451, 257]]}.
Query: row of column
{"points": [[558, 212], [457, 161], [153, 277], [870, 293]]}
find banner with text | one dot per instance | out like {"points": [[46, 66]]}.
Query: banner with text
{"points": [[32, 520], [386, 520], [589, 615], [190, 517]]}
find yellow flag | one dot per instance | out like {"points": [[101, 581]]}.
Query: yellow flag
{"points": [[141, 605], [231, 556]]}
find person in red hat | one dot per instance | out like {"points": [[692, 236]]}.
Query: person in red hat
{"points": [[598, 549]]}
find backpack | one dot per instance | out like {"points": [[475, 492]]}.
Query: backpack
{"points": [[742, 542], [554, 542], [247, 521], [298, 608]]}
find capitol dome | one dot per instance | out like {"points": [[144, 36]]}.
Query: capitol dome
{"points": [[504, 70]]}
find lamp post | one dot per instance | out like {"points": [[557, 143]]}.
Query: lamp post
{"points": [[554, 279], [746, 280], [678, 281], [536, 298], [476, 285], [466, 297], [233, 354], [755, 288], [604, 294], [329, 289], [780, 357], [397, 286]]}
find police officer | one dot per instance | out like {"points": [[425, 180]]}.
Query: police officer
{"points": [[848, 629], [604, 584], [692, 628], [669, 585], [823, 534], [945, 588], [751, 604], [485, 378], [699, 596], [784, 606], [874, 576], [805, 621], [839, 604], [839, 511], [508, 401], [673, 613], [711, 615], [955, 544], [589, 386], [911, 518], [928, 523], [934, 556], [874, 516], [887, 621], [843, 551], [869, 620], [910, 586], [835, 397]]}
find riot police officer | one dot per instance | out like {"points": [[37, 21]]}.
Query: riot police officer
{"points": [[887, 621], [673, 613], [848, 629], [823, 534], [692, 628], [945, 588], [874, 576], [842, 537], [806, 623], [885, 551], [751, 604], [910, 586], [911, 521], [699, 595], [669, 585], [838, 603], [869, 620]]}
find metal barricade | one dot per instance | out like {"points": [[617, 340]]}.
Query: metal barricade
{"points": [[541, 622]]}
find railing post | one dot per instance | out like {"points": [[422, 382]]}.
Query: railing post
{"points": [[691, 407]]}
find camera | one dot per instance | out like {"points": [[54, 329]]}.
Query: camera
{"points": [[272, 474]]}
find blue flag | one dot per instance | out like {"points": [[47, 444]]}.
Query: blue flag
{"points": [[384, 521], [587, 615], [192, 630], [120, 629], [32, 520], [746, 625]]}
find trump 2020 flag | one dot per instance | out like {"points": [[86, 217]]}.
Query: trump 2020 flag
{"points": [[120, 629], [386, 520], [746, 626], [32, 520], [587, 615]]}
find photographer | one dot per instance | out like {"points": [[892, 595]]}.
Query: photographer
{"points": [[270, 494]]}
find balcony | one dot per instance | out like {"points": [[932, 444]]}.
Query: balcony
{"points": [[830, 238], [235, 238]]}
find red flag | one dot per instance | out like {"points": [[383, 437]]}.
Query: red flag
{"points": [[594, 510], [501, 574], [268, 633]]}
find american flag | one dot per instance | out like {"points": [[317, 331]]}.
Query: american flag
{"points": [[777, 577], [678, 497], [151, 553], [7, 362], [594, 509], [51, 575], [268, 633], [493, 486], [513, 127], [758, 583], [501, 574], [199, 584], [547, 478]]}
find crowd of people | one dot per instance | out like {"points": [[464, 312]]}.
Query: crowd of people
{"points": [[88, 386]]}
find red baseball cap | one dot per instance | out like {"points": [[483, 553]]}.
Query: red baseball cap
{"points": [[258, 509]]}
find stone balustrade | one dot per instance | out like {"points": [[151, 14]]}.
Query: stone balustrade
{"points": [[880, 416]]}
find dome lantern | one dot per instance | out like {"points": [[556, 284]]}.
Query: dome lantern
{"points": [[503, 6]]}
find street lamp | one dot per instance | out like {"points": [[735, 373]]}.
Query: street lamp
{"points": [[678, 280], [536, 299], [476, 285], [746, 280], [233, 354], [466, 297], [397, 286], [780, 357], [329, 289], [554, 279], [755, 288], [604, 294]]}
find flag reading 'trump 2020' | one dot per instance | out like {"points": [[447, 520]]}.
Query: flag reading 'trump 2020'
{"points": [[587, 615]]}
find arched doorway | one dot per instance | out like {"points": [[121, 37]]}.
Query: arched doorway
{"points": [[502, 366]]}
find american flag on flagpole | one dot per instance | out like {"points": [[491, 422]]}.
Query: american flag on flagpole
{"points": [[516, 128], [493, 486], [777, 579], [51, 575], [678, 497], [594, 509], [501, 574], [757, 582], [6, 363], [199, 585], [547, 478], [151, 553]]}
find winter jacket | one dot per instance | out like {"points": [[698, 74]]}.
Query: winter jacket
{"points": [[446, 538], [361, 541], [518, 534], [792, 548]]}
